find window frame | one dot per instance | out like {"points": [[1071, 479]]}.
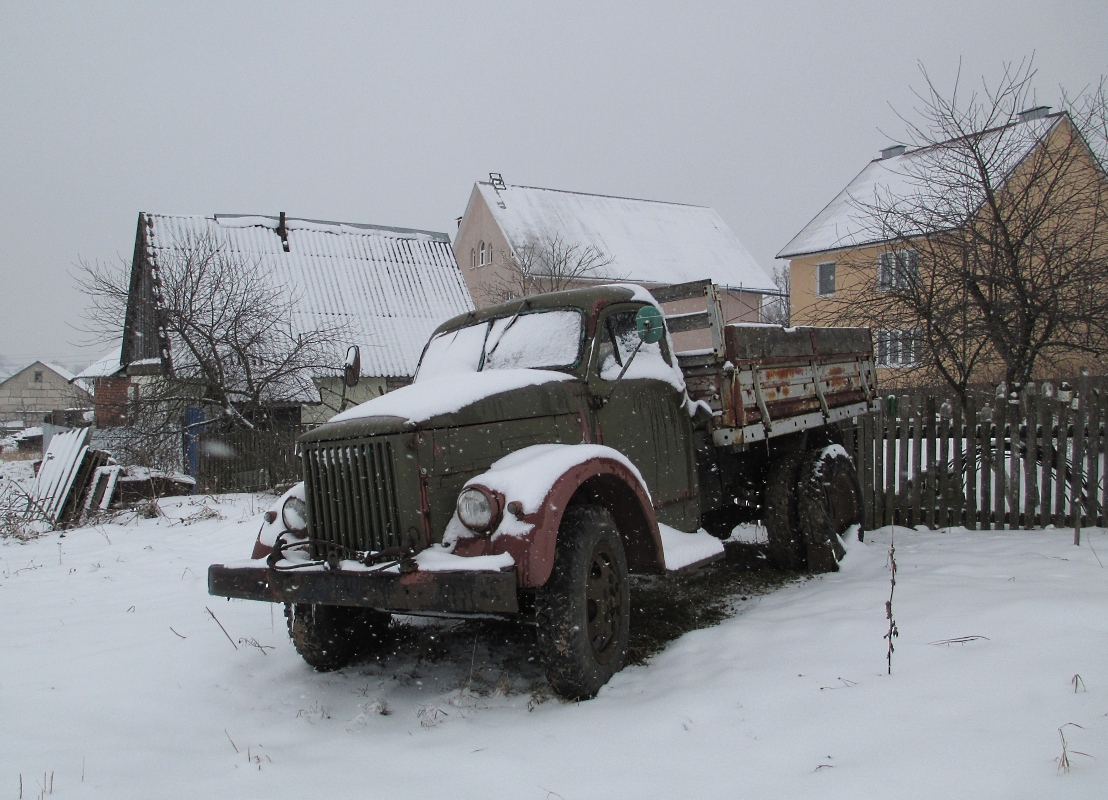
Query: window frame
{"points": [[820, 269], [897, 269], [905, 345]]}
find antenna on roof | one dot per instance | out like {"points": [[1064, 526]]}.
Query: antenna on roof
{"points": [[497, 181], [283, 232]]}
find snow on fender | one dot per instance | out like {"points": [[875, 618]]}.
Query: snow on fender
{"points": [[532, 487]]}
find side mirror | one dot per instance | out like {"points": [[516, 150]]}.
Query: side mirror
{"points": [[650, 324], [352, 369]]}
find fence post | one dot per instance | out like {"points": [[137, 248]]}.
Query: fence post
{"points": [[1061, 465], [968, 446], [1000, 463], [930, 473], [984, 445], [871, 447], [903, 495], [1092, 458], [943, 504], [1030, 441], [890, 464], [1077, 476], [1046, 460]]}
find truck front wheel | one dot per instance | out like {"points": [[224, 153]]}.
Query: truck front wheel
{"points": [[331, 637], [829, 501], [584, 609]]}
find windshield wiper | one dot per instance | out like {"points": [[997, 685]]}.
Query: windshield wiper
{"points": [[485, 355]]}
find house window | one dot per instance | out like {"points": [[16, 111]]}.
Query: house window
{"points": [[825, 279], [898, 348], [897, 269], [472, 258], [38, 376], [482, 261]]}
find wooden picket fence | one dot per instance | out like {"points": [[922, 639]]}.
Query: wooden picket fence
{"points": [[247, 460], [1026, 462]]}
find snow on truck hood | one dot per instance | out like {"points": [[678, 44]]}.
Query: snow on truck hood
{"points": [[429, 398]]}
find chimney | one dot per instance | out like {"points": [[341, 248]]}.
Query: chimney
{"points": [[1038, 112], [895, 150], [283, 232]]}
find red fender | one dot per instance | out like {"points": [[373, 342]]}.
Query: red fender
{"points": [[608, 482]]}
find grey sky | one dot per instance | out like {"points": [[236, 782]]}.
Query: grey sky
{"points": [[387, 114]]}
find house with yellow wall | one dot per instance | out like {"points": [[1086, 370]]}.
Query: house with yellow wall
{"points": [[910, 224]]}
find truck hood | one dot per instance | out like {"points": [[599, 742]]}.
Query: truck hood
{"points": [[461, 399]]}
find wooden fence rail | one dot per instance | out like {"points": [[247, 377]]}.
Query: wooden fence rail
{"points": [[1022, 463]]}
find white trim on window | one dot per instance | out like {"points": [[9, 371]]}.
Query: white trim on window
{"points": [[897, 269], [825, 279], [898, 347]]}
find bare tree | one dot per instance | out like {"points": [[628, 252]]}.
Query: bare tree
{"points": [[233, 347], [994, 238], [775, 310], [548, 263]]}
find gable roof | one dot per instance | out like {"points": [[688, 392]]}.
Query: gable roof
{"points": [[649, 241], [392, 286], [847, 220], [65, 375]]}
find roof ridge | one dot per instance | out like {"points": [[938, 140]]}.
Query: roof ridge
{"points": [[369, 226], [1056, 115], [597, 194]]}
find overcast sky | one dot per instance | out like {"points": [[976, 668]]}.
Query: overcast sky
{"points": [[387, 113]]}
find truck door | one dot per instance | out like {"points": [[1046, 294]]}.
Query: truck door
{"points": [[643, 416]]}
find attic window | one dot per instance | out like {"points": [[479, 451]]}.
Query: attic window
{"points": [[38, 376], [482, 261], [472, 258]]}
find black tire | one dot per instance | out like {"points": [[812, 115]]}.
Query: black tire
{"points": [[829, 502], [331, 637], [782, 516], [584, 609]]}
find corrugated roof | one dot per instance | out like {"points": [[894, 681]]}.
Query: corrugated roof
{"points": [[650, 241], [392, 286], [916, 176]]}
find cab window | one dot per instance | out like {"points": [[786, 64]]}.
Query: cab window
{"points": [[617, 340]]}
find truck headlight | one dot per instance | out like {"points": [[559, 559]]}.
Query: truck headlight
{"points": [[478, 509], [294, 513]]}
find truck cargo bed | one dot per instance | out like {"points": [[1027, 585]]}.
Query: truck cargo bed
{"points": [[761, 381]]}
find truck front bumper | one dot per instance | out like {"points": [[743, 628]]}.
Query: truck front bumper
{"points": [[461, 593]]}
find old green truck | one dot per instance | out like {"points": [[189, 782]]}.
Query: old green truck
{"points": [[547, 447]]}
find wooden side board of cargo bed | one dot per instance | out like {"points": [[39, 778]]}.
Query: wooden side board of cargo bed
{"points": [[773, 381]]}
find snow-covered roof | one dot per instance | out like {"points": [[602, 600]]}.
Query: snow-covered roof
{"points": [[848, 220], [649, 241], [103, 367], [392, 286], [69, 376]]}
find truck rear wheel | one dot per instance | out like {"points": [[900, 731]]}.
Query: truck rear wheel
{"points": [[584, 609], [781, 515], [829, 504], [331, 637]]}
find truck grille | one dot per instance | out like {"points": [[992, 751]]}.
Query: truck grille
{"points": [[352, 494]]}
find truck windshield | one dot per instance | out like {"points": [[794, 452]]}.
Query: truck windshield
{"points": [[536, 340]]}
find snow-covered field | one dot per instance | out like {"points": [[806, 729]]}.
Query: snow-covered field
{"points": [[116, 682]]}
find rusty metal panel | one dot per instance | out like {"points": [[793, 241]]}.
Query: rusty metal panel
{"points": [[469, 592]]}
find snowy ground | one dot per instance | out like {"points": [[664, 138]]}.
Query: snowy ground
{"points": [[115, 682]]}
